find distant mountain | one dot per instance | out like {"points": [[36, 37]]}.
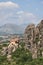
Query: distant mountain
{"points": [[11, 29]]}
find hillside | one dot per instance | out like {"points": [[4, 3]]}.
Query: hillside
{"points": [[29, 52], [11, 29]]}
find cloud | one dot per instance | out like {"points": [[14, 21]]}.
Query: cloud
{"points": [[20, 12], [5, 16], [27, 14], [8, 4], [19, 17], [14, 15], [26, 17]]}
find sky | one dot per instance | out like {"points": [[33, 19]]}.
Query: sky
{"points": [[21, 11]]}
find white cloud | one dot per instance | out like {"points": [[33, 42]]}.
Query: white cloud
{"points": [[20, 12], [19, 17], [23, 12], [26, 17], [26, 14], [5, 16], [8, 4]]}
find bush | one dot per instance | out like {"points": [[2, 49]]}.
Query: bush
{"points": [[21, 57]]}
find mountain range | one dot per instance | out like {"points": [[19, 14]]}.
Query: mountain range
{"points": [[11, 29]]}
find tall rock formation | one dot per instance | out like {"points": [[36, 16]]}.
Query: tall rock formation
{"points": [[40, 27], [34, 39]]}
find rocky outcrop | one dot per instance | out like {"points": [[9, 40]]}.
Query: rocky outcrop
{"points": [[13, 45], [4, 51], [34, 39], [40, 27]]}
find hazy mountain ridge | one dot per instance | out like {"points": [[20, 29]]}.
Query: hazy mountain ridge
{"points": [[11, 29]]}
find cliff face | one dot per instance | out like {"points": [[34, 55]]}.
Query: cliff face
{"points": [[34, 39]]}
